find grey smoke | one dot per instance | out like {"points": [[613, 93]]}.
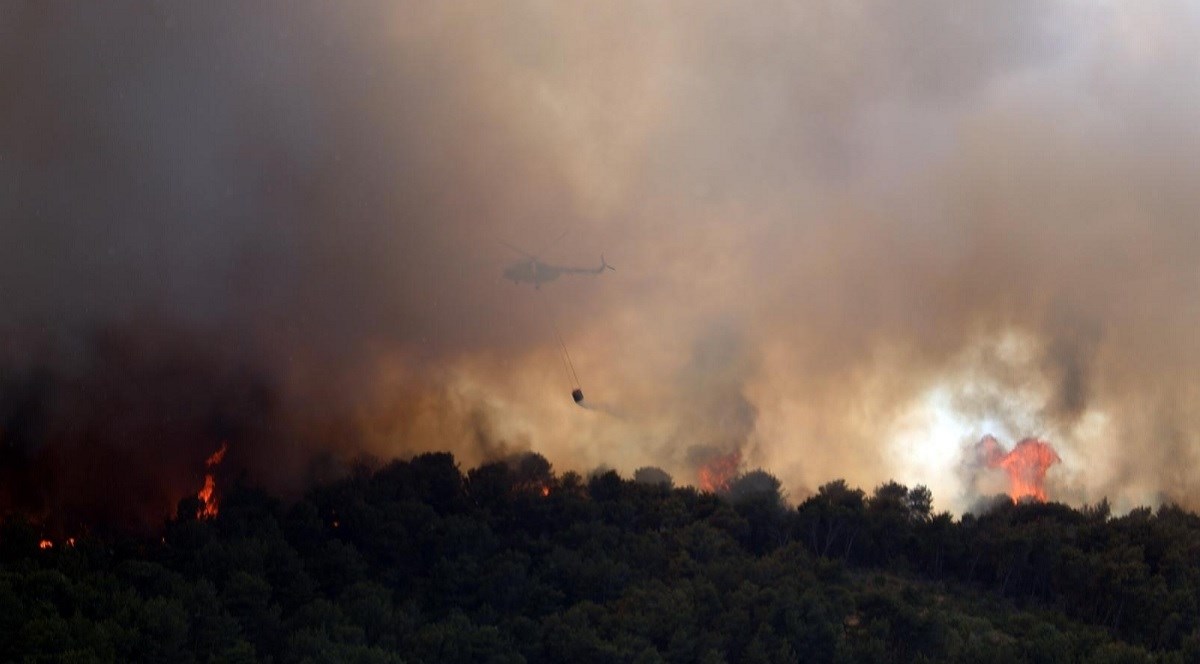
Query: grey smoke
{"points": [[820, 212]]}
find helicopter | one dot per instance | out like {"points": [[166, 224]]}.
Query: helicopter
{"points": [[537, 273], [534, 271]]}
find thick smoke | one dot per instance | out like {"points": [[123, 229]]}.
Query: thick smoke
{"points": [[827, 220], [115, 428]]}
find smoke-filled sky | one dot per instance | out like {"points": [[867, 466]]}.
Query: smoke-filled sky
{"points": [[851, 238]]}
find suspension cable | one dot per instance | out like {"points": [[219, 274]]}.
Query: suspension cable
{"points": [[566, 354]]}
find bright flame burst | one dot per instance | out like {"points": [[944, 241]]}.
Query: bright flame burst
{"points": [[718, 473], [1026, 465], [208, 508]]}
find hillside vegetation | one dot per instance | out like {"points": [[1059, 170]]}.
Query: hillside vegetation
{"points": [[417, 561]]}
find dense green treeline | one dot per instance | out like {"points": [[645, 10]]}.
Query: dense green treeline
{"points": [[418, 562]]}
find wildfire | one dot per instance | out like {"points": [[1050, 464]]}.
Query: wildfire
{"points": [[45, 544], [209, 501], [545, 491], [1026, 465], [716, 475]]}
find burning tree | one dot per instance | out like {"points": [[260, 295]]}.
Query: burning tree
{"points": [[1026, 465], [716, 475], [208, 507]]}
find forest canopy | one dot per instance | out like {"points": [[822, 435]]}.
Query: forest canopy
{"points": [[419, 561]]}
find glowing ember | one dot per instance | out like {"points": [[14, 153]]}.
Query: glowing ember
{"points": [[45, 544], [209, 501], [1026, 465], [716, 475], [545, 491]]}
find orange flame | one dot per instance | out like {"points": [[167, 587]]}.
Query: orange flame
{"points": [[217, 456], [718, 473], [45, 544], [1026, 465], [545, 491], [209, 502]]}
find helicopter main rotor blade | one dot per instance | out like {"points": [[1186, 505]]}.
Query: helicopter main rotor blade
{"points": [[553, 242], [524, 253]]}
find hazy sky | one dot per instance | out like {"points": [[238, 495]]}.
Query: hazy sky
{"points": [[850, 238]]}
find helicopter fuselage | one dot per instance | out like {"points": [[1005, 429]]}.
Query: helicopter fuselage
{"points": [[532, 272], [535, 272]]}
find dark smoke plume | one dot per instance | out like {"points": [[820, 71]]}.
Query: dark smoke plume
{"points": [[114, 428], [848, 237]]}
